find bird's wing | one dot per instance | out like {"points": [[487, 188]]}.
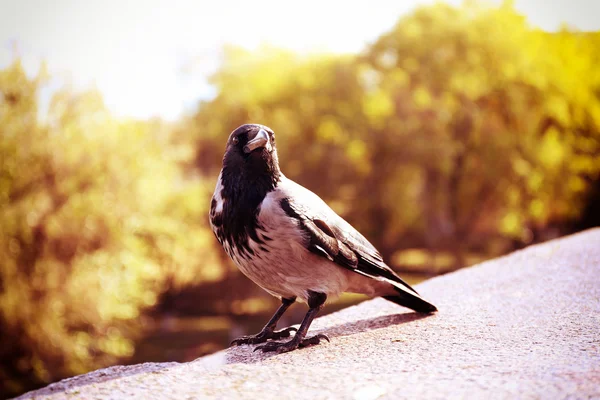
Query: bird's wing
{"points": [[332, 237]]}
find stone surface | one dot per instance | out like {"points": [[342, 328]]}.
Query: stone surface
{"points": [[522, 326]]}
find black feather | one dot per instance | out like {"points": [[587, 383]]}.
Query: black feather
{"points": [[412, 302], [246, 180]]}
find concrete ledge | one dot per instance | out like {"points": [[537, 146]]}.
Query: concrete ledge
{"points": [[522, 326]]}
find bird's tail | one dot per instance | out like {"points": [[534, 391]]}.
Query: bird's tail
{"points": [[412, 302], [406, 296]]}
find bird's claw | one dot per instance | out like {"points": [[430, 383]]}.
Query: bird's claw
{"points": [[263, 336], [314, 340], [290, 345]]}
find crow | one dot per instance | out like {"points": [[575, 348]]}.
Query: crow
{"points": [[289, 242]]}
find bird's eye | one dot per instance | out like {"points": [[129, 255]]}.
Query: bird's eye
{"points": [[235, 140]]}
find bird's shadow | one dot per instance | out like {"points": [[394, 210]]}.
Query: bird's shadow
{"points": [[364, 325], [245, 354]]}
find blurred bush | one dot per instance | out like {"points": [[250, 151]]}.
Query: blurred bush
{"points": [[459, 135]]}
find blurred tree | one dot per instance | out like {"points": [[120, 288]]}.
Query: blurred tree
{"points": [[502, 110], [461, 129], [97, 221], [314, 103]]}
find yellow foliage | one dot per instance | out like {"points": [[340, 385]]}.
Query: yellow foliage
{"points": [[511, 224], [89, 236], [330, 131], [378, 106], [421, 97], [552, 151]]}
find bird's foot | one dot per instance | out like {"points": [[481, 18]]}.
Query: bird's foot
{"points": [[263, 336], [293, 344]]}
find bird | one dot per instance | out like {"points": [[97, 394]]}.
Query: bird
{"points": [[289, 242]]}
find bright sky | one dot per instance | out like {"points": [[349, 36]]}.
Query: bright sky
{"points": [[152, 58]]}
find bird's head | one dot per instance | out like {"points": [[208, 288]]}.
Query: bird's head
{"points": [[251, 154]]}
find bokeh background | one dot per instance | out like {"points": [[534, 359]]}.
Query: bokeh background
{"points": [[447, 133]]}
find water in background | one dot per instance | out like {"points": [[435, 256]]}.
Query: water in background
{"points": [[185, 338]]}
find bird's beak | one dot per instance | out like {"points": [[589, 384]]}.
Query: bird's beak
{"points": [[260, 140]]}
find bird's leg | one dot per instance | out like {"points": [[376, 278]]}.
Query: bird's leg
{"points": [[268, 332], [315, 302]]}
